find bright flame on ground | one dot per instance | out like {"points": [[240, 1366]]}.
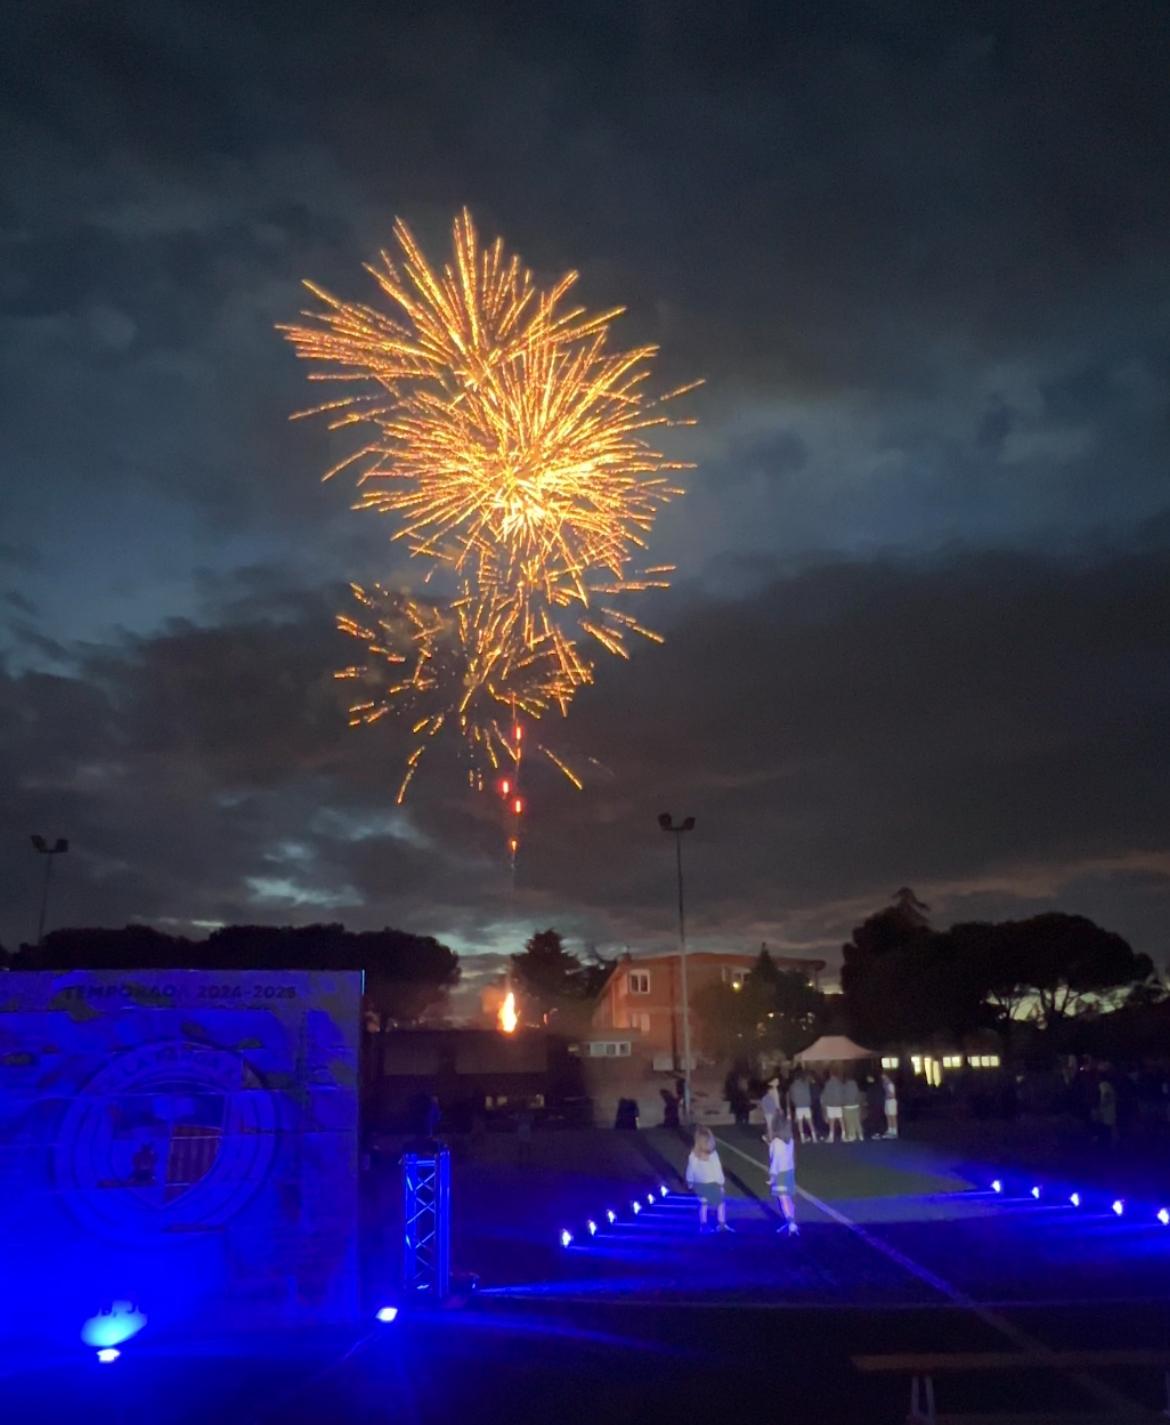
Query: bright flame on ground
{"points": [[507, 1018]]}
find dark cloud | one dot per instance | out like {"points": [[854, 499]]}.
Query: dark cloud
{"points": [[981, 726], [920, 254]]}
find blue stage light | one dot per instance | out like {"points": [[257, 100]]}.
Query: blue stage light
{"points": [[386, 1314], [662, 1190], [566, 1237], [1118, 1207], [637, 1206], [108, 1355], [113, 1326], [996, 1185], [1164, 1217], [610, 1215], [1036, 1193], [650, 1199], [1075, 1198], [592, 1226]]}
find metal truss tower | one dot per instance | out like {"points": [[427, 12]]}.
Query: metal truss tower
{"points": [[426, 1217]]}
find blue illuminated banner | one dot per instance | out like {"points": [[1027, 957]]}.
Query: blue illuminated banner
{"points": [[185, 1141]]}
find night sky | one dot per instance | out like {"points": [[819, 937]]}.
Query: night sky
{"points": [[921, 631]]}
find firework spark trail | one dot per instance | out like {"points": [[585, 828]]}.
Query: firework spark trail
{"points": [[513, 448]]}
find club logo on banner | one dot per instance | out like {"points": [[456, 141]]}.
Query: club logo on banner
{"points": [[172, 1136]]}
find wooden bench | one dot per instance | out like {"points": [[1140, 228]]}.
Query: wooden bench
{"points": [[923, 1367]]}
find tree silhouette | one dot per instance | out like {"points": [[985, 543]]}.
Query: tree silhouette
{"points": [[552, 977], [774, 1009], [405, 975]]}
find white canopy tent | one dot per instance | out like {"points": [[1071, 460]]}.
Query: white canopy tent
{"points": [[833, 1049]]}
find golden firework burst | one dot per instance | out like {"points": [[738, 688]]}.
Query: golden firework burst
{"points": [[513, 448]]}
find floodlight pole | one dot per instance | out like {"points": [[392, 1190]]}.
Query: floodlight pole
{"points": [[42, 848], [666, 822]]}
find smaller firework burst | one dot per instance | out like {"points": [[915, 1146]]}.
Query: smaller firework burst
{"points": [[457, 666]]}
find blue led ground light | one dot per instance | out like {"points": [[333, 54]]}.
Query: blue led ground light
{"points": [[592, 1228], [1131, 1208]]}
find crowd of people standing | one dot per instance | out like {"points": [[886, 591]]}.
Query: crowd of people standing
{"points": [[839, 1106]]}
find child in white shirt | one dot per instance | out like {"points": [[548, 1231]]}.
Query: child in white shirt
{"points": [[782, 1173], [705, 1178]]}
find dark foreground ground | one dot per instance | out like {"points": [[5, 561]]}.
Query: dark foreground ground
{"points": [[902, 1247]]}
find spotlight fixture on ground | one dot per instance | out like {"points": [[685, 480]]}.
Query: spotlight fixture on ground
{"points": [[386, 1314], [996, 1185], [1118, 1206], [610, 1216], [566, 1237], [1036, 1193], [1164, 1216], [108, 1355], [592, 1226], [1075, 1198]]}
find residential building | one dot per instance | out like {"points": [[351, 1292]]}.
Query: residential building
{"points": [[644, 995]]}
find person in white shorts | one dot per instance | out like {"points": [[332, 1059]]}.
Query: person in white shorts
{"points": [[890, 1097], [800, 1101], [833, 1107], [782, 1173]]}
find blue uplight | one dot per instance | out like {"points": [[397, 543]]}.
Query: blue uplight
{"points": [[996, 1185], [592, 1226], [108, 1355], [650, 1199], [1164, 1217], [566, 1237], [637, 1206], [1036, 1192], [662, 1190], [113, 1326], [386, 1314], [610, 1215], [1118, 1206], [1075, 1198]]}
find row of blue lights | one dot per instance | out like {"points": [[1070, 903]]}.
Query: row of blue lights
{"points": [[567, 1238], [1075, 1199]]}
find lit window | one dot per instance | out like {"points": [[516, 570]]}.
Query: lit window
{"points": [[640, 1020], [952, 1061], [992, 1061], [638, 982], [890, 1063], [916, 1063], [611, 1051]]}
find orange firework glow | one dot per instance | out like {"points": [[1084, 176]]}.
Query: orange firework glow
{"points": [[507, 1018], [512, 448]]}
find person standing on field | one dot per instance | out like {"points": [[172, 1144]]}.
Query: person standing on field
{"points": [[890, 1095], [771, 1107], [800, 1101], [833, 1107], [851, 1102]]}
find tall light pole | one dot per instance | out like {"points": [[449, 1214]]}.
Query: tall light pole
{"points": [[666, 822], [42, 848]]}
